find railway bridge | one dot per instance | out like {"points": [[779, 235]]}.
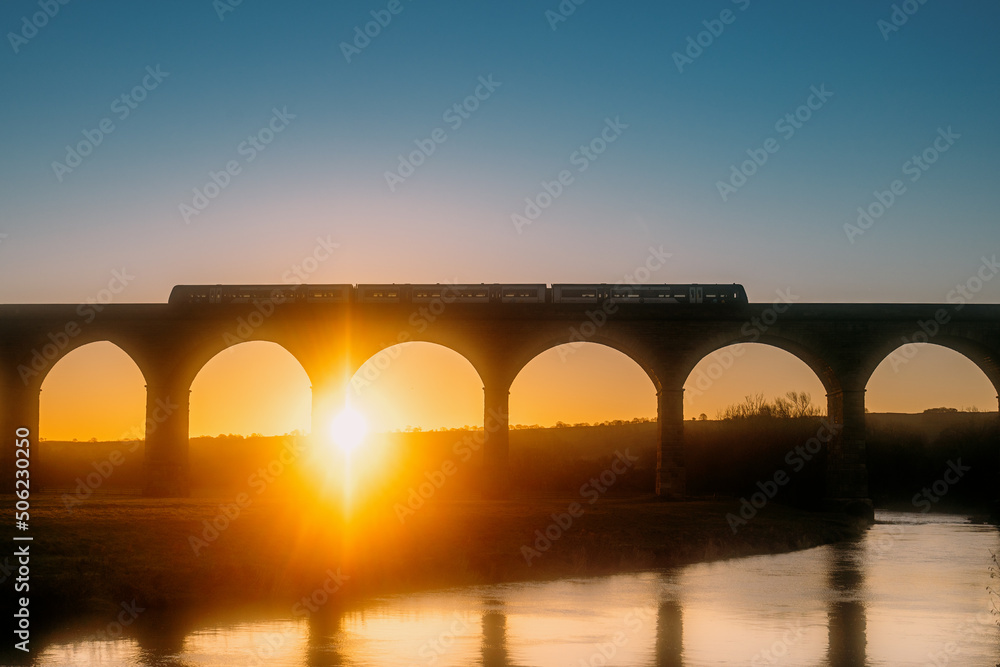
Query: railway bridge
{"points": [[842, 343]]}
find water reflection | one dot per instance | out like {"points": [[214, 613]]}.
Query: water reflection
{"points": [[494, 647], [908, 590], [162, 636], [669, 635], [846, 615], [326, 632]]}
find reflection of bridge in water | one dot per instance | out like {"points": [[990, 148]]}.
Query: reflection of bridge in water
{"points": [[170, 343], [334, 637]]}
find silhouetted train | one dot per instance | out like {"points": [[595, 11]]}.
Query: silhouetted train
{"points": [[492, 293]]}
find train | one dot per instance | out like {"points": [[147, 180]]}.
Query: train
{"points": [[451, 293]]}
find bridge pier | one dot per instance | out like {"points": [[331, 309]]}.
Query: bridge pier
{"points": [[670, 474], [167, 432], [846, 461], [496, 440], [18, 409], [995, 509]]}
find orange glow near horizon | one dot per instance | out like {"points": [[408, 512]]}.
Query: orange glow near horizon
{"points": [[923, 375], [726, 376], [581, 382], [418, 385], [97, 391], [253, 387]]}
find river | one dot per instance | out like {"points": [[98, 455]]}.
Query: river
{"points": [[912, 591]]}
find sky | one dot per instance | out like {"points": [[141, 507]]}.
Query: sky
{"points": [[213, 142]]}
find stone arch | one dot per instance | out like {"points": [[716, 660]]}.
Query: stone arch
{"points": [[826, 374], [285, 355], [633, 351], [986, 360], [469, 354], [367, 374], [136, 353], [70, 351], [198, 355]]}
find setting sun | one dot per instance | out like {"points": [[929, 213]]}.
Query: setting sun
{"points": [[348, 429]]}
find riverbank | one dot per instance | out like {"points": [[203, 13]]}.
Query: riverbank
{"points": [[201, 553]]}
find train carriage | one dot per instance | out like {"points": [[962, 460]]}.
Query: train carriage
{"points": [[483, 293]]}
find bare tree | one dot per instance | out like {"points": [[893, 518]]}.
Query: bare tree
{"points": [[793, 404]]}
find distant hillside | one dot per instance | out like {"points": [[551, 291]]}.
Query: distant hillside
{"points": [[928, 425]]}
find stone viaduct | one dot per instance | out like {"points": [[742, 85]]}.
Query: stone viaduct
{"points": [[170, 343]]}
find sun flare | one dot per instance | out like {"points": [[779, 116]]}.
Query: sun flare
{"points": [[348, 429]]}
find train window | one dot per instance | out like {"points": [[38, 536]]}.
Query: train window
{"points": [[655, 294], [579, 293]]}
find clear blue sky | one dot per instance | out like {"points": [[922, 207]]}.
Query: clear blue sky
{"points": [[324, 173]]}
